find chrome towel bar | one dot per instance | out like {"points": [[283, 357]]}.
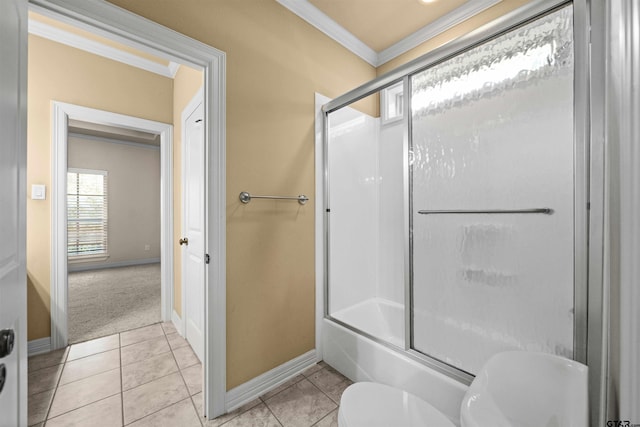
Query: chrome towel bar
{"points": [[246, 197], [546, 211]]}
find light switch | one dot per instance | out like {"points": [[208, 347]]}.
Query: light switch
{"points": [[38, 192]]}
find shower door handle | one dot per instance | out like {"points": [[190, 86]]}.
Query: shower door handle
{"points": [[546, 211]]}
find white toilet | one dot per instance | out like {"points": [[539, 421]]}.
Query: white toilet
{"points": [[378, 405], [514, 388]]}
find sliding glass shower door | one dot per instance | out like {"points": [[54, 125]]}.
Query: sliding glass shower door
{"points": [[493, 198]]}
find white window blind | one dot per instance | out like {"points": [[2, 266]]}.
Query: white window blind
{"points": [[86, 212]]}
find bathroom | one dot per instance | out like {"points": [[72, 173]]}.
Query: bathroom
{"points": [[390, 249]]}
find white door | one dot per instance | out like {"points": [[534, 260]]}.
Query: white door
{"points": [[193, 211], [13, 282]]}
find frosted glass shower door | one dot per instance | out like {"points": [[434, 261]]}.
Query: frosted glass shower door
{"points": [[365, 217], [492, 129]]}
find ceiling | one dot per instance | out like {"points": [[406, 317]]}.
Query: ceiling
{"points": [[380, 30]]}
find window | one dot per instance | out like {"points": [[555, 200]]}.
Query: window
{"points": [[86, 213], [392, 101]]}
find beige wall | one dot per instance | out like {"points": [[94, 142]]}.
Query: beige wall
{"points": [[185, 85], [61, 73], [494, 12], [133, 195], [275, 63]]}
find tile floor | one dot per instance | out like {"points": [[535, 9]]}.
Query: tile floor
{"points": [[151, 377]]}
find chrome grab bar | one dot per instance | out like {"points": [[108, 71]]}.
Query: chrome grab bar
{"points": [[246, 197], [546, 211]]}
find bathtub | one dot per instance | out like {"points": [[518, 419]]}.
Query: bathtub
{"points": [[362, 359], [378, 317]]}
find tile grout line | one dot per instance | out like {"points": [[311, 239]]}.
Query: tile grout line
{"points": [[138, 419], [80, 407], [183, 380], [153, 413], [331, 412], [330, 398], [171, 373], [272, 413], [193, 404], [88, 376], [102, 372], [64, 364], [150, 381], [55, 389], [121, 380], [304, 377], [326, 395], [270, 397]]}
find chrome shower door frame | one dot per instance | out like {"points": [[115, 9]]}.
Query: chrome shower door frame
{"points": [[584, 183]]}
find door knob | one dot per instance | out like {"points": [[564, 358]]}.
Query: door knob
{"points": [[184, 241], [3, 376], [7, 338]]}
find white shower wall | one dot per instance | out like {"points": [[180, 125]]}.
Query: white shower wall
{"points": [[366, 245], [353, 192], [391, 191]]}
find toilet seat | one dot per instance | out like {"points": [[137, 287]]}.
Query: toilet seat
{"points": [[369, 404]]}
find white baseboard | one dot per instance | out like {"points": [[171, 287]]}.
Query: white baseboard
{"points": [[177, 322], [261, 384], [42, 345], [101, 266]]}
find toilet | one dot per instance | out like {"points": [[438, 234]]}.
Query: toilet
{"points": [[378, 405], [513, 388]]}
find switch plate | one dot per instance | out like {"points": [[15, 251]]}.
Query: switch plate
{"points": [[38, 192]]}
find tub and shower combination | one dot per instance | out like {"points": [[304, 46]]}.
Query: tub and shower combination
{"points": [[449, 219]]}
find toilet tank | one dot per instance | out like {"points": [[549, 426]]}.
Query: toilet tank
{"points": [[525, 389]]}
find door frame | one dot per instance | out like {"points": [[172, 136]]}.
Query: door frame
{"points": [[186, 112], [62, 113], [118, 24]]}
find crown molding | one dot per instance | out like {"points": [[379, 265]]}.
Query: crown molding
{"points": [[173, 68], [468, 10], [50, 32], [331, 28], [114, 141]]}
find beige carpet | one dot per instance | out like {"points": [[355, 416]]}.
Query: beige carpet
{"points": [[104, 302]]}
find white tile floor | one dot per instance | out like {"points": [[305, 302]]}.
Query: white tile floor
{"points": [[151, 377]]}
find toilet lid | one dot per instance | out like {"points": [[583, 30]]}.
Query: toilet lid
{"points": [[368, 404]]}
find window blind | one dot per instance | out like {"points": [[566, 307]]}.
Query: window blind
{"points": [[86, 212]]}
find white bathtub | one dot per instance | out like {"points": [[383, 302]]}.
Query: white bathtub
{"points": [[379, 317], [362, 359]]}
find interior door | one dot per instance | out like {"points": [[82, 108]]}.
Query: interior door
{"points": [[193, 265], [13, 310]]}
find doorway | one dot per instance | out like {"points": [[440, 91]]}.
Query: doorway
{"points": [[113, 230], [63, 114], [123, 26]]}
